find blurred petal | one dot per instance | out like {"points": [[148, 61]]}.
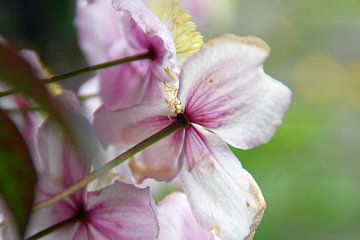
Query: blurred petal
{"points": [[177, 221], [122, 211], [225, 89], [99, 27], [224, 196]]}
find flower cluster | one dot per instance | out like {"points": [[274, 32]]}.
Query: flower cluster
{"points": [[183, 102]]}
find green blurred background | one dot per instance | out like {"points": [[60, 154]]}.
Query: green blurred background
{"points": [[309, 172]]}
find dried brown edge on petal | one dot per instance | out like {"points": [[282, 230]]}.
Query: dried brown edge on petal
{"points": [[140, 171], [248, 40], [261, 205]]}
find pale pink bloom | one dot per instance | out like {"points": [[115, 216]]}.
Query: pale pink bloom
{"points": [[106, 33], [227, 98], [118, 211], [177, 221]]}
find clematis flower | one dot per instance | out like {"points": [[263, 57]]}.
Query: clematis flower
{"points": [[177, 221], [118, 211], [129, 28], [224, 97]]}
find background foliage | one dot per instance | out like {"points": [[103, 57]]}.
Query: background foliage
{"points": [[309, 172]]}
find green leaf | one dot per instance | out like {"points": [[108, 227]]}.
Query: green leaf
{"points": [[17, 173]]}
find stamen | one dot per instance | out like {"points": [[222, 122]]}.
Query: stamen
{"points": [[187, 40], [173, 102]]}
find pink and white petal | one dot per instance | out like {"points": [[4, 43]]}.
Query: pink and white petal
{"points": [[99, 27], [177, 221], [157, 34], [225, 89], [255, 121], [127, 127], [122, 211], [160, 160], [219, 53], [223, 196]]}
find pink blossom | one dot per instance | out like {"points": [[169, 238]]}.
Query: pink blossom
{"points": [[106, 33], [118, 211], [226, 97]]}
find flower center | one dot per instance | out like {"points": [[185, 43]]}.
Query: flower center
{"points": [[183, 120], [81, 213], [152, 52]]}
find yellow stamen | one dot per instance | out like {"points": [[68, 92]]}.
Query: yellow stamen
{"points": [[187, 40], [173, 102]]}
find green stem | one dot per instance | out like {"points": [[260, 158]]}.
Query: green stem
{"points": [[84, 70], [55, 227], [179, 123]]}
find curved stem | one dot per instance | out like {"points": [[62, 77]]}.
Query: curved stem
{"points": [[113, 163], [64, 76], [55, 227]]}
